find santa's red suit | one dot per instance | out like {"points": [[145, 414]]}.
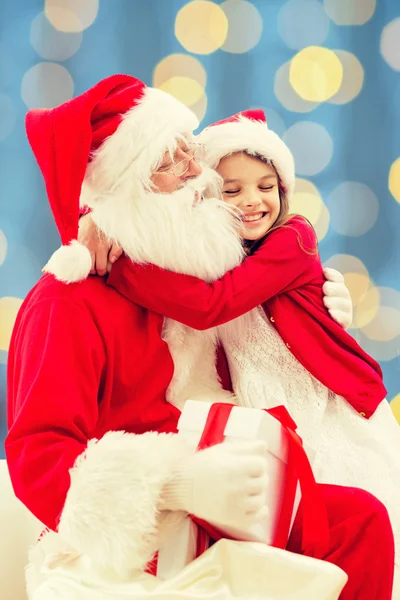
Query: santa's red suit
{"points": [[92, 380]]}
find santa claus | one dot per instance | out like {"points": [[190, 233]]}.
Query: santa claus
{"points": [[96, 382]]}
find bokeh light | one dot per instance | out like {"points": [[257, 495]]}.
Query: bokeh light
{"points": [[50, 43], [354, 208], [394, 180], [186, 90], [316, 73], [308, 202], [71, 15], [380, 322], [390, 44], [350, 12], [245, 26], [395, 406], [201, 27], [357, 279], [8, 116], [311, 145], [303, 23], [353, 78], [9, 308], [3, 246], [179, 65], [46, 85], [287, 96]]}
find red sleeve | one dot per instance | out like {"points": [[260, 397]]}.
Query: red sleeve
{"points": [[283, 262], [53, 381]]}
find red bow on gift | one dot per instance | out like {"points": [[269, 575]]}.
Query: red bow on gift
{"points": [[315, 529]]}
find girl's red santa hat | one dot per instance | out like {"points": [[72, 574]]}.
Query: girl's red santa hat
{"points": [[96, 146], [248, 132]]}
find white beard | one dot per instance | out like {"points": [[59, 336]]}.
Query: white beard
{"points": [[174, 231], [188, 233]]}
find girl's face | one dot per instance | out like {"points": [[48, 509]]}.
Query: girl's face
{"points": [[251, 185]]}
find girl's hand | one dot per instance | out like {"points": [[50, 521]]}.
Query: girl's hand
{"points": [[337, 298], [103, 252]]}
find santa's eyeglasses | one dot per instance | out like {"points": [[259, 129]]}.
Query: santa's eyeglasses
{"points": [[193, 152]]}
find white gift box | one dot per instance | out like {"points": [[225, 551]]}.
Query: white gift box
{"points": [[179, 549], [247, 424]]}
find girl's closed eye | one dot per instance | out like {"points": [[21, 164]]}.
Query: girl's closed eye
{"points": [[267, 188], [230, 192]]}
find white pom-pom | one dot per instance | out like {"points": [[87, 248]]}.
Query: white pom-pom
{"points": [[70, 263]]}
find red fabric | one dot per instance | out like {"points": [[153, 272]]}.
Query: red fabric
{"points": [[315, 525], [361, 542], [83, 361], [256, 114], [287, 281], [63, 137]]}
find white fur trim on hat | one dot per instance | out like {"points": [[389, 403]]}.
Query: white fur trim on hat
{"points": [[147, 130], [70, 263], [252, 137]]}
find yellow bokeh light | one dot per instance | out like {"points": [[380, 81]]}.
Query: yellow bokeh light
{"points": [[394, 180], [200, 108], [287, 96], [186, 90], [71, 16], [395, 406], [350, 12], [322, 225], [316, 73], [9, 307], [201, 27], [306, 201], [385, 326], [353, 78], [367, 307], [358, 285], [179, 65]]}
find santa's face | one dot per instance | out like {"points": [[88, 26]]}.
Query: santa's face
{"points": [[176, 169]]}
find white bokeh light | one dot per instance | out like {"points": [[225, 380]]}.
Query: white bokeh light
{"points": [[311, 145], [354, 208], [303, 23], [50, 43], [390, 44], [245, 26], [46, 85]]}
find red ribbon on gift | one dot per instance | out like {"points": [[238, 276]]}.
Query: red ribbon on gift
{"points": [[315, 527]]}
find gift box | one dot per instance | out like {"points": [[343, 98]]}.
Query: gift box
{"points": [[289, 470], [185, 543]]}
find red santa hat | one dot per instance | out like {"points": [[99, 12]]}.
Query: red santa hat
{"points": [[115, 132], [248, 132]]}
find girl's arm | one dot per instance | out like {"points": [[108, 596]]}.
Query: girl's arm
{"points": [[285, 261]]}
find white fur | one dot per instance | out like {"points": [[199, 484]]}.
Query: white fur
{"points": [[110, 513], [70, 263], [129, 156], [183, 231], [188, 233], [251, 136]]}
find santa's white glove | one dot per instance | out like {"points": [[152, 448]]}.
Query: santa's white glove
{"points": [[225, 484], [337, 298]]}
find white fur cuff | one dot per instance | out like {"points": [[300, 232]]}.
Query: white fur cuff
{"points": [[110, 513]]}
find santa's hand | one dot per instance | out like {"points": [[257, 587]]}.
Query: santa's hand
{"points": [[225, 484], [337, 298], [103, 252]]}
